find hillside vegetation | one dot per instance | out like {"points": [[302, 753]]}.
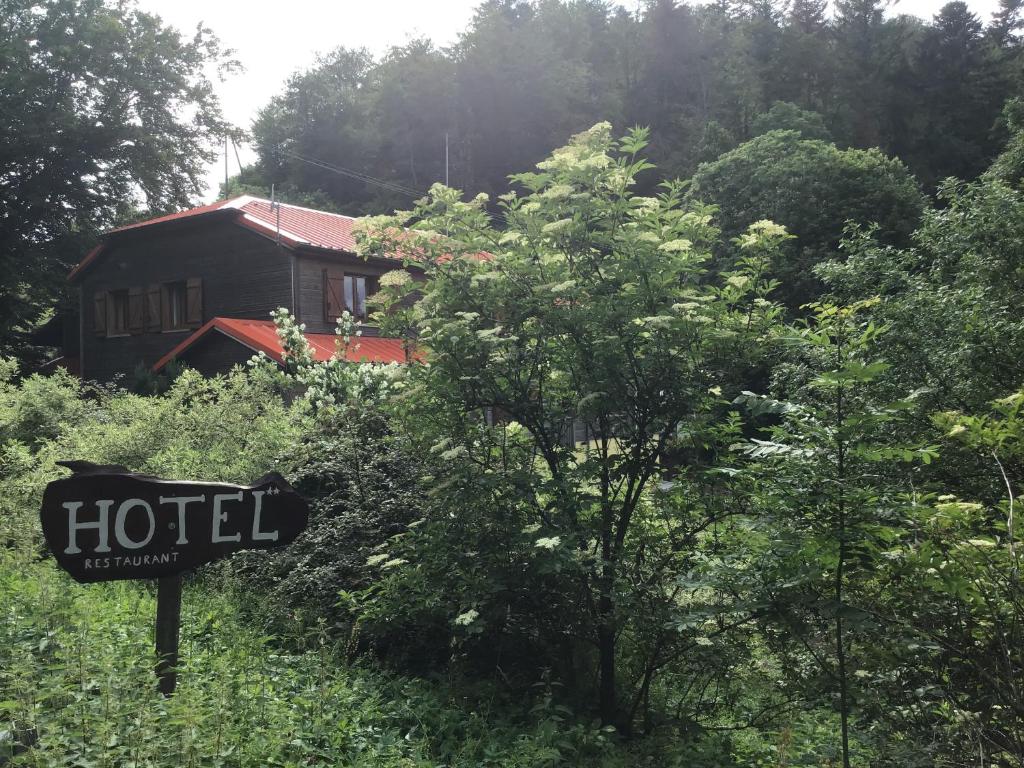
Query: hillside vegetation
{"points": [[786, 537], [714, 451]]}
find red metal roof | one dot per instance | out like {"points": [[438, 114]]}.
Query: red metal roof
{"points": [[217, 206], [298, 226], [261, 336], [302, 225]]}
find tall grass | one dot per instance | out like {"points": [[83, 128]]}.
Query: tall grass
{"points": [[77, 688]]}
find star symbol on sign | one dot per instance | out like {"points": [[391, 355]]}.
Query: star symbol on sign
{"points": [[272, 491]]}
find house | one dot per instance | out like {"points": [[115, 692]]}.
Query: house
{"points": [[199, 286]]}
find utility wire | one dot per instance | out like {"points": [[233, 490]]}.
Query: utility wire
{"points": [[388, 185]]}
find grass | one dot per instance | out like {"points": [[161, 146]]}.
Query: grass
{"points": [[77, 689]]}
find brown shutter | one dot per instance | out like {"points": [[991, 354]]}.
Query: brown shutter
{"points": [[153, 314], [136, 310], [334, 292], [99, 321], [165, 308], [194, 309]]}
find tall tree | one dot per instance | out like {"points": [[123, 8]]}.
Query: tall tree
{"points": [[961, 94], [862, 59], [590, 304], [813, 188], [102, 108]]}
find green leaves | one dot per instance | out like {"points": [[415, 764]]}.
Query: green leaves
{"points": [[103, 109]]}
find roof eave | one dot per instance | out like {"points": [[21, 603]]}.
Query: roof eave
{"points": [[215, 324]]}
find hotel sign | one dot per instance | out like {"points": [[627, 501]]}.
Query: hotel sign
{"points": [[103, 524]]}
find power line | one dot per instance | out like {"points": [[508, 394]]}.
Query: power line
{"points": [[366, 179]]}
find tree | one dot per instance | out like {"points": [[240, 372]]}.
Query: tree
{"points": [[824, 489], [784, 116], [962, 93], [102, 109], [325, 117], [955, 337], [950, 299], [588, 314], [863, 52], [812, 188]]}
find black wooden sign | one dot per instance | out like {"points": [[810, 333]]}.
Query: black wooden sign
{"points": [[105, 523]]}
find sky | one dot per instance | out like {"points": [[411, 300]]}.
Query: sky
{"points": [[272, 40]]}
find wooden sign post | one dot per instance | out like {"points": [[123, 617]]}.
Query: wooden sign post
{"points": [[106, 523]]}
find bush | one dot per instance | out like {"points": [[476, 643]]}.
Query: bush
{"points": [[362, 484], [231, 428], [77, 688], [812, 188]]}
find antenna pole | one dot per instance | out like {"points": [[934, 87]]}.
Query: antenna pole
{"points": [[225, 165], [446, 158], [275, 206]]}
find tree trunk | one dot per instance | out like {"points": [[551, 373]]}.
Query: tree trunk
{"points": [[606, 653]]}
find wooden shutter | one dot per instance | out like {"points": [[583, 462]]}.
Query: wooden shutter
{"points": [[154, 316], [136, 310], [165, 308], [334, 292], [194, 302], [99, 321]]}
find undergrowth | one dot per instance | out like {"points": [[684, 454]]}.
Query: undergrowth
{"points": [[77, 689]]}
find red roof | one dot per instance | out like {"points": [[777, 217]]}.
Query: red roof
{"points": [[220, 205], [297, 226], [261, 336], [301, 225]]}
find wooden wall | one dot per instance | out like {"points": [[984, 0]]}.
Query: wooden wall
{"points": [[216, 353], [244, 275], [311, 286]]}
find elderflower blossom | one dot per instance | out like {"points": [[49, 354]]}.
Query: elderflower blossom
{"points": [[466, 618], [548, 542], [396, 278], [762, 232], [680, 245]]}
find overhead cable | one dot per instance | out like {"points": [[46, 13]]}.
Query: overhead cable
{"points": [[391, 186]]}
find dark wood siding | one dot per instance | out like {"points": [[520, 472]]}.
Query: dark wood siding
{"points": [[215, 353], [242, 274]]}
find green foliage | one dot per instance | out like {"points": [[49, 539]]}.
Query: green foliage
{"points": [[99, 102], [702, 76], [362, 480], [785, 116], [589, 311], [814, 189], [77, 687], [951, 303], [956, 618], [1009, 165], [828, 503], [233, 428], [38, 408]]}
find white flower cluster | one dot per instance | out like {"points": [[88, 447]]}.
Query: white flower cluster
{"points": [[331, 382], [763, 232]]}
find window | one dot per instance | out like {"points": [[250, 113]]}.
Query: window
{"points": [[158, 307], [117, 313], [355, 295], [176, 298], [345, 292], [180, 305]]}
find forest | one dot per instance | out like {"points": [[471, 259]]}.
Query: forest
{"points": [[767, 255]]}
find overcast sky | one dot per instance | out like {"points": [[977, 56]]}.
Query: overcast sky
{"points": [[274, 39]]}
